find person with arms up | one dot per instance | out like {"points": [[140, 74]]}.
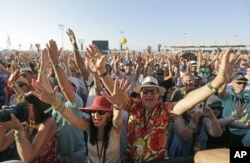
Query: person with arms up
{"points": [[104, 125], [148, 123]]}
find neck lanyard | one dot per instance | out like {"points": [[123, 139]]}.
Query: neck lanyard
{"points": [[100, 154], [149, 117]]}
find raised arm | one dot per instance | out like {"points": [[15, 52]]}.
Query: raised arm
{"points": [[118, 98], [51, 98], [77, 57], [63, 81], [204, 92]]}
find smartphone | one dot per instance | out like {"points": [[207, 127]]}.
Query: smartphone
{"points": [[200, 107]]}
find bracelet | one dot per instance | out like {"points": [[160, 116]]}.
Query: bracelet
{"points": [[14, 85], [211, 87], [61, 110], [19, 136], [104, 74], [75, 50], [59, 107], [191, 128], [40, 72]]}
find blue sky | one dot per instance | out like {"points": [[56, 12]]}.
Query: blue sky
{"points": [[144, 22]]}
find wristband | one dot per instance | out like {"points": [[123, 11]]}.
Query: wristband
{"points": [[75, 50], [104, 74], [40, 72], [19, 136], [14, 85], [191, 128], [59, 107], [211, 87]]}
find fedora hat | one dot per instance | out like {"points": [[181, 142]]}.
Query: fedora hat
{"points": [[99, 103], [149, 81]]}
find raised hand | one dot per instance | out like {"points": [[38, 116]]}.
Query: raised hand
{"points": [[120, 93], [71, 35], [54, 53], [44, 94], [96, 61]]}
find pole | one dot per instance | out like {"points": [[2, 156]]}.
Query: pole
{"points": [[61, 27]]}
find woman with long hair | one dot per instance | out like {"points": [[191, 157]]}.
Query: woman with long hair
{"points": [[105, 123], [34, 132]]}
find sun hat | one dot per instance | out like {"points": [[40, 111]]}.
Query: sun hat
{"points": [[99, 103], [214, 102], [25, 70], [23, 81], [149, 81]]}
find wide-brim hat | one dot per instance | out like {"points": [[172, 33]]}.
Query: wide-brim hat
{"points": [[23, 81], [99, 103], [25, 70], [149, 81]]}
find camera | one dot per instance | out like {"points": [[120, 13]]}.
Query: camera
{"points": [[20, 110], [199, 107]]}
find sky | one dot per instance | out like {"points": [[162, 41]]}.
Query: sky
{"points": [[143, 22]]}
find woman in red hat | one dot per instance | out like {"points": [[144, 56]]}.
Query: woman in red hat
{"points": [[105, 121]]}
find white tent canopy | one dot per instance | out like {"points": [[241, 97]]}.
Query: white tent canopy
{"points": [[210, 44]]}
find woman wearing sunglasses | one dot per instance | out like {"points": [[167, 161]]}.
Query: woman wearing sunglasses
{"points": [[104, 125]]}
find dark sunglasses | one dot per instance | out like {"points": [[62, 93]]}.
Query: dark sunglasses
{"points": [[160, 74], [21, 85], [153, 92], [244, 83], [100, 112]]}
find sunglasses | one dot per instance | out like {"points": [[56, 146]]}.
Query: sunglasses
{"points": [[239, 83], [160, 74], [153, 92], [100, 112], [21, 85]]}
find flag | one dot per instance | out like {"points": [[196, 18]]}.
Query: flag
{"points": [[8, 40]]}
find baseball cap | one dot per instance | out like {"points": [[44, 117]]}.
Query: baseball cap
{"points": [[214, 102], [127, 63], [238, 76]]}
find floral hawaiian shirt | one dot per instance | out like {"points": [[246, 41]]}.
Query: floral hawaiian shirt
{"points": [[147, 132]]}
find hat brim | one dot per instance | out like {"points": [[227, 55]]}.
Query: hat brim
{"points": [[24, 72], [96, 107], [138, 88]]}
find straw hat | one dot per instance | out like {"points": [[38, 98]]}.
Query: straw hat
{"points": [[149, 81]]}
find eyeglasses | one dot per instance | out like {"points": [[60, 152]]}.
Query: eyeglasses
{"points": [[153, 91], [160, 74], [100, 112], [239, 83]]}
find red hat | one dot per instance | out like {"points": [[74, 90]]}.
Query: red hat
{"points": [[99, 103]]}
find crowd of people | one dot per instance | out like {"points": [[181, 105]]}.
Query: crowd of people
{"points": [[123, 107]]}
